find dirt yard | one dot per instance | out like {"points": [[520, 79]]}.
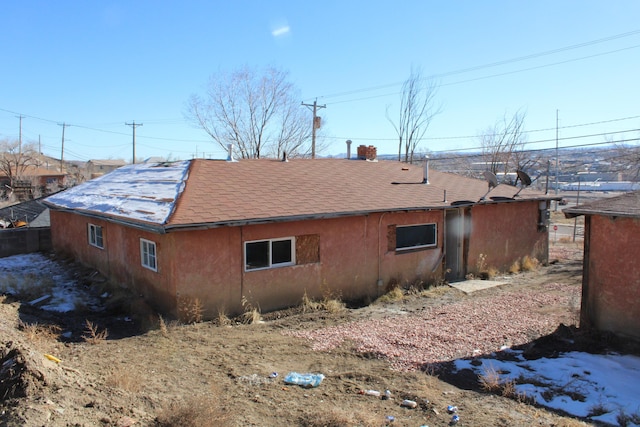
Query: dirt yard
{"points": [[162, 373]]}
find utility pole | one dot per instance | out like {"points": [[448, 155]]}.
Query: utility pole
{"points": [[134, 125], [316, 125], [20, 137], [556, 158], [64, 125]]}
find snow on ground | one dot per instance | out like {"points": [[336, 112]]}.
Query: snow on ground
{"points": [[36, 276], [605, 388]]}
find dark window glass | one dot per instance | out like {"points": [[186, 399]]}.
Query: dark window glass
{"points": [[415, 236], [257, 254], [281, 251]]}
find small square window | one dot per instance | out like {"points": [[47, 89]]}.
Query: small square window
{"points": [[95, 236], [148, 254]]}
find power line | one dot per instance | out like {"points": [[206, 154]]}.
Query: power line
{"points": [[489, 65]]}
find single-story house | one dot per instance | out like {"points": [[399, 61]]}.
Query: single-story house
{"points": [[96, 167], [269, 231], [611, 271]]}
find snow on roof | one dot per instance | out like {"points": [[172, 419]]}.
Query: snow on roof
{"points": [[141, 192]]}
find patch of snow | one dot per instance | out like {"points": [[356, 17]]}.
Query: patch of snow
{"points": [[143, 191], [601, 387], [29, 272]]}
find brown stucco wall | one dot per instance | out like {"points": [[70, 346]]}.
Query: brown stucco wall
{"points": [[611, 283], [348, 267], [505, 233], [120, 258], [356, 260]]}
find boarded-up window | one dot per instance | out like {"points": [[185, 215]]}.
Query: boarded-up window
{"points": [[391, 238], [307, 249]]}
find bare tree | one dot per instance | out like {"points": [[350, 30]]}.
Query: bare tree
{"points": [[15, 159], [416, 111], [256, 111], [503, 145]]}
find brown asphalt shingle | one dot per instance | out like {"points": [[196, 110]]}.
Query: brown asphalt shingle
{"points": [[625, 205], [257, 190]]}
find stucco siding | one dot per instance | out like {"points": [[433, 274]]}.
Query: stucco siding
{"points": [[613, 273], [504, 233]]}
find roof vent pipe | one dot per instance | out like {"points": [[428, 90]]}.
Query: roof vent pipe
{"points": [[230, 155], [348, 149], [284, 156], [425, 177]]}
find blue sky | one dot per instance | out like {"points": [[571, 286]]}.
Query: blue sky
{"points": [[97, 65]]}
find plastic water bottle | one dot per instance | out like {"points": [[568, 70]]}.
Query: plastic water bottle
{"points": [[375, 393], [455, 419], [409, 403], [304, 380], [387, 394], [452, 409]]}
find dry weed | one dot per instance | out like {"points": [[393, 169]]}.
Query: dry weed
{"points": [[529, 264], [223, 318], [515, 268], [251, 314], [565, 239], [309, 304], [490, 379], [333, 305], [93, 335], [336, 417], [163, 326], [201, 411], [435, 291], [190, 310], [125, 379], [395, 294], [38, 332]]}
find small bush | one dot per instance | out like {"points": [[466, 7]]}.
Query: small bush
{"points": [[395, 294], [93, 335], [202, 411], [309, 304], [38, 332], [529, 264], [333, 305]]}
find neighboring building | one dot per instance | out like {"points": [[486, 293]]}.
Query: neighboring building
{"points": [[96, 168], [32, 213], [32, 182], [611, 271], [268, 231]]}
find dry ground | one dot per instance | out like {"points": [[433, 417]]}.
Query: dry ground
{"points": [[207, 374]]}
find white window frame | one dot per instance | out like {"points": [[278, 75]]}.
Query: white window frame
{"points": [[271, 264], [411, 248], [93, 236], [146, 256]]}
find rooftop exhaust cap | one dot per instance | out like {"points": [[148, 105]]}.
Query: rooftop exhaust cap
{"points": [[348, 149], [230, 154], [425, 177]]}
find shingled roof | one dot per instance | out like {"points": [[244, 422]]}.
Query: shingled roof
{"points": [[627, 205], [218, 193]]}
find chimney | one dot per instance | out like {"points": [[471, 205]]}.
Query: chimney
{"points": [[348, 149], [425, 177], [230, 155]]}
